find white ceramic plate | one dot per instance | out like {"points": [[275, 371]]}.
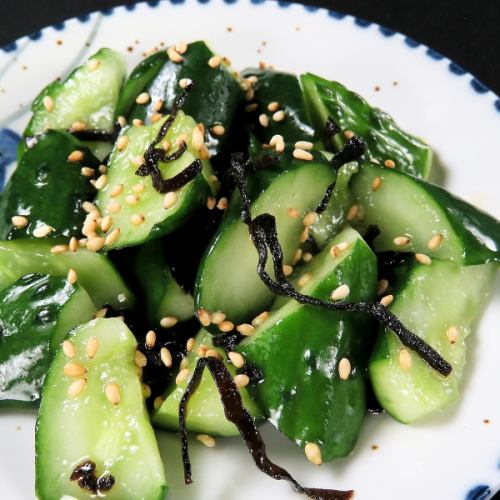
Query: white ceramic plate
{"points": [[454, 456]]}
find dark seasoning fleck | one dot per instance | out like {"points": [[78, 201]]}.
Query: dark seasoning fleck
{"points": [[85, 475]]}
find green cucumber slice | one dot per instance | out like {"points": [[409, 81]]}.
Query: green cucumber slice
{"points": [[434, 221], [95, 272], [88, 95], [36, 313], [162, 294], [227, 278], [103, 423], [147, 202], [205, 413], [47, 188], [299, 349], [283, 91], [212, 101], [439, 303], [384, 139]]}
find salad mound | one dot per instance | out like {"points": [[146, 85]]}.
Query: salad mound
{"points": [[228, 248]]}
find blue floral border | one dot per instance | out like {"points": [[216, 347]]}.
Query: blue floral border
{"points": [[9, 139]]}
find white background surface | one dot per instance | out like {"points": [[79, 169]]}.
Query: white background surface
{"points": [[441, 458]]}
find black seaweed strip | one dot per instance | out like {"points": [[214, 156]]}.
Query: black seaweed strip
{"points": [[237, 414], [264, 235], [153, 155], [353, 149], [331, 128]]}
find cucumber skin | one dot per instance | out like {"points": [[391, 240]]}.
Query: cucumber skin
{"points": [[117, 347], [207, 281], [95, 272], [472, 236], [284, 88], [213, 100], [428, 299], [382, 136], [33, 321], [42, 176], [205, 413], [304, 403], [103, 121]]}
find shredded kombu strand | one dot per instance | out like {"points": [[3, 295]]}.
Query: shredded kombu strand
{"points": [[265, 239], [237, 414], [153, 155]]}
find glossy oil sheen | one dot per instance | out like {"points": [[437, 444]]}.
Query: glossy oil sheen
{"points": [[298, 350], [36, 313]]}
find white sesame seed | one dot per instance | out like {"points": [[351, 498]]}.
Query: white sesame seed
{"points": [[202, 350], [279, 116], [90, 208], [275, 139], [423, 259], [150, 339], [222, 203], [405, 359], [158, 402], [122, 121], [273, 106], [137, 219], [212, 353], [95, 243], [103, 169], [258, 320], [307, 257], [158, 105], [112, 237], [142, 98], [218, 130], [205, 439], [72, 276], [197, 139], [146, 391], [241, 380], [344, 368], [217, 317], [349, 134], [93, 64], [292, 213], [310, 218], [304, 235], [77, 387], [313, 453], [249, 108], [106, 223], [452, 334], [122, 142], [190, 344], [166, 357], [340, 293], [287, 270], [377, 182], [389, 164], [435, 242], [352, 212], [174, 56], [304, 280], [137, 122], [140, 359], [264, 120], [168, 321], [204, 153], [19, 221], [215, 61], [184, 363], [132, 199], [297, 255], [401, 241], [237, 359], [42, 231], [387, 300], [73, 244], [69, 349], [48, 103], [246, 329], [101, 181], [211, 202], [305, 145], [114, 207], [184, 82], [182, 375], [87, 171], [336, 250], [112, 391], [170, 199], [75, 156], [156, 117], [57, 249], [138, 188], [382, 286], [73, 369], [204, 317], [92, 347], [226, 326], [78, 126], [181, 47]]}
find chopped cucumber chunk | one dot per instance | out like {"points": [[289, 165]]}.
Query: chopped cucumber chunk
{"points": [[88, 97], [36, 313], [93, 417]]}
